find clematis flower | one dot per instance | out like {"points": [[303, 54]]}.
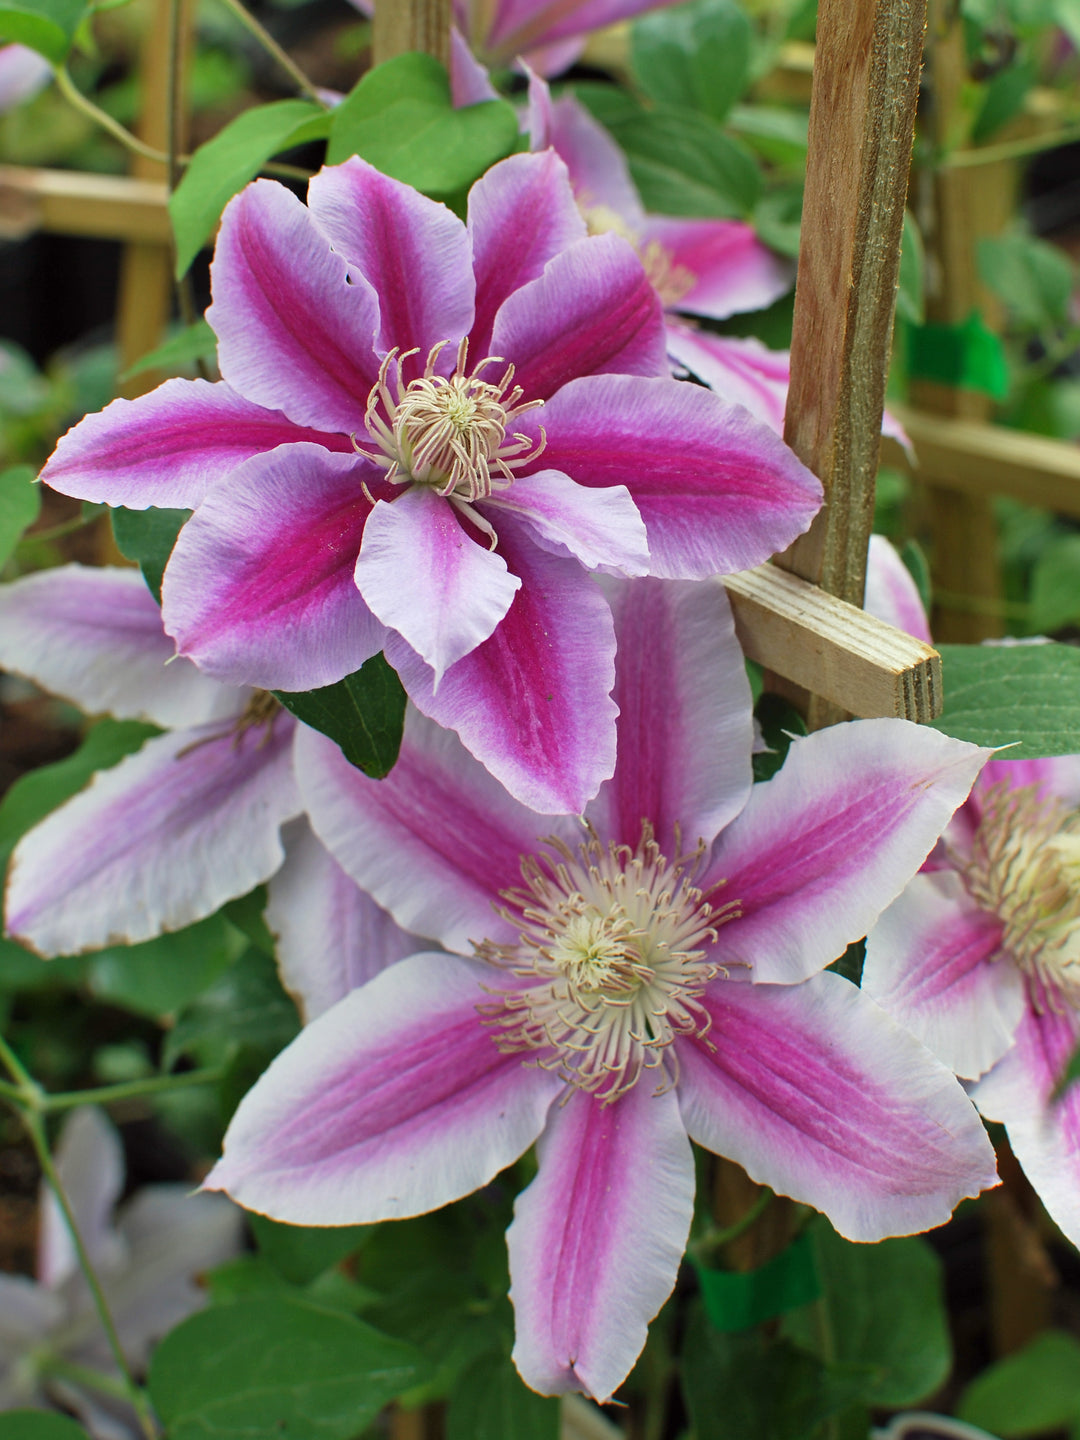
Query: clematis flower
{"points": [[409, 491], [23, 72], [190, 821], [651, 977], [148, 1257], [980, 956]]}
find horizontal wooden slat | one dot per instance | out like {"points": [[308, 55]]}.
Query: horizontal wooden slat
{"points": [[66, 202], [832, 648], [977, 458]]}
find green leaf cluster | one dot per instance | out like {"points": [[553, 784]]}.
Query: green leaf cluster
{"points": [[47, 26], [1024, 696]]}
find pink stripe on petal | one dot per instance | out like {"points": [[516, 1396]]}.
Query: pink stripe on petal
{"points": [[732, 270], [1044, 1133], [827, 844], [717, 490], [597, 1239], [293, 333], [94, 637], [817, 1093], [739, 370], [891, 592], [412, 251], [533, 702], [458, 588], [392, 1103], [434, 842], [685, 724], [260, 589], [521, 214], [161, 840], [934, 962], [592, 311], [170, 447], [331, 936], [601, 528]]}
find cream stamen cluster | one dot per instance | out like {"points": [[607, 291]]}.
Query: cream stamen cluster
{"points": [[449, 432], [670, 280], [260, 712], [616, 942], [1025, 869]]}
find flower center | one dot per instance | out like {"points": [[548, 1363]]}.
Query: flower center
{"points": [[614, 942], [448, 432], [670, 281], [1025, 869]]}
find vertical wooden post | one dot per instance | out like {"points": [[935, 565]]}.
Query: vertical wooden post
{"points": [[955, 209], [862, 117], [146, 282], [402, 25]]}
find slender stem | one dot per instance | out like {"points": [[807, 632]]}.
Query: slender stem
{"points": [[132, 1089], [17, 1070], [136, 1397], [66, 527], [81, 1375], [74, 96], [267, 41], [11, 1092], [1010, 149], [720, 1238]]}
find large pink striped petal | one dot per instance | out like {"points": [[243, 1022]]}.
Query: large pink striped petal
{"points": [[295, 333], [260, 588], [533, 703], [598, 169], [394, 1102], [934, 961], [742, 371], [717, 490], [601, 528], [161, 840], [685, 725], [517, 25], [722, 262], [891, 592], [170, 447], [827, 844], [331, 935], [94, 637], [470, 83], [434, 842], [1044, 1133], [597, 1239], [521, 215], [458, 590], [591, 312], [412, 251], [817, 1093]]}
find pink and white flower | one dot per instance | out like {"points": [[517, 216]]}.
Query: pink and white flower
{"points": [[619, 990], [198, 816], [375, 469], [148, 1257], [23, 73]]}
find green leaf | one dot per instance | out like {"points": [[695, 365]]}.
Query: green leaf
{"points": [[779, 721], [882, 1308], [245, 1008], [1004, 97], [1067, 14], [684, 164], [998, 694], [179, 352], [247, 913], [778, 219], [1055, 585], [1034, 280], [490, 1402], [401, 119], [744, 1384], [741, 1299], [161, 975], [364, 714], [1034, 1390], [696, 56], [36, 795], [301, 1253], [38, 1425], [47, 26], [225, 164], [148, 537], [276, 1366], [909, 295], [778, 135], [20, 505]]}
